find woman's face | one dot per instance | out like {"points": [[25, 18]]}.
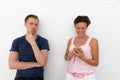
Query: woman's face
{"points": [[81, 28]]}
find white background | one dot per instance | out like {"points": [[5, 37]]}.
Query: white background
{"points": [[56, 24]]}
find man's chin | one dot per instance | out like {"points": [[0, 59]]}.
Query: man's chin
{"points": [[33, 33]]}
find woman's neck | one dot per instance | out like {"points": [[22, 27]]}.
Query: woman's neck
{"points": [[82, 37]]}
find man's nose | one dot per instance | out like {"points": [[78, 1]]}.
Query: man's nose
{"points": [[33, 26]]}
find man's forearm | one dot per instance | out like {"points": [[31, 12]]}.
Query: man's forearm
{"points": [[23, 65], [40, 57]]}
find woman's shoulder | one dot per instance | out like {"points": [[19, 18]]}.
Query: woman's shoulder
{"points": [[93, 40], [70, 39]]}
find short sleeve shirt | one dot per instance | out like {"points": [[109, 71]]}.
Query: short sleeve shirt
{"points": [[26, 54]]}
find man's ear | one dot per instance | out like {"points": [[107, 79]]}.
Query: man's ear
{"points": [[25, 24]]}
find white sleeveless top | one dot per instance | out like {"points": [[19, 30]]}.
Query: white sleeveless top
{"points": [[76, 65]]}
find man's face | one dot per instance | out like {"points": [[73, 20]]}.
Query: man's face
{"points": [[32, 25]]}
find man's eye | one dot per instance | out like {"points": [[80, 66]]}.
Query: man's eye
{"points": [[36, 24], [31, 23]]}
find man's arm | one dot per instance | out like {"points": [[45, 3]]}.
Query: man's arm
{"points": [[14, 63], [40, 55]]}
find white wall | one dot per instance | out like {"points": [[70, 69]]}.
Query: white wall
{"points": [[56, 24]]}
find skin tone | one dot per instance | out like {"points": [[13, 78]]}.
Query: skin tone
{"points": [[41, 55], [80, 39]]}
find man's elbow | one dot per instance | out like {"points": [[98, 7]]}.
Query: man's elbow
{"points": [[42, 64], [11, 66]]}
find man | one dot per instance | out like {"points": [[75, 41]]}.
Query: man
{"points": [[29, 53]]}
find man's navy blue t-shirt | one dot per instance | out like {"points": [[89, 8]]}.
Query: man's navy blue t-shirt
{"points": [[25, 52]]}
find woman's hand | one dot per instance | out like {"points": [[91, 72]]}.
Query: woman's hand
{"points": [[79, 53]]}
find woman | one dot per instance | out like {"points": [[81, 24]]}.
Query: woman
{"points": [[82, 52]]}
